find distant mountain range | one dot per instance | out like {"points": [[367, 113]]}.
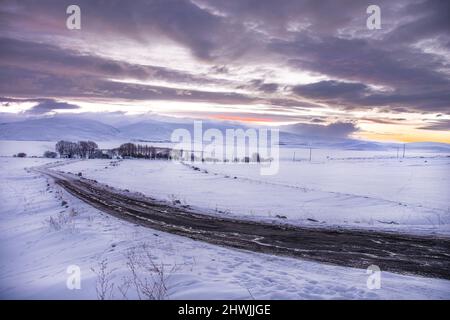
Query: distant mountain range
{"points": [[57, 128], [79, 128]]}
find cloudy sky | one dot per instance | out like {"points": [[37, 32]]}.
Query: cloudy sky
{"points": [[256, 61]]}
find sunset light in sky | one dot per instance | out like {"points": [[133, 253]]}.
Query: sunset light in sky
{"points": [[258, 62]]}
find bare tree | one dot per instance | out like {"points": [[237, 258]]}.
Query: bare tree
{"points": [[67, 149], [92, 147], [60, 147], [83, 148], [127, 150]]}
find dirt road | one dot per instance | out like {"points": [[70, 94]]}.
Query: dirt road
{"points": [[421, 255]]}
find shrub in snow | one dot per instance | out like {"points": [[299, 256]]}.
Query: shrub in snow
{"points": [[21, 155], [98, 154], [60, 221], [50, 154], [146, 279], [149, 278], [174, 199], [104, 286]]}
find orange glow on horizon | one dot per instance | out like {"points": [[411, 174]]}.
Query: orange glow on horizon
{"points": [[419, 136], [410, 132], [241, 119]]}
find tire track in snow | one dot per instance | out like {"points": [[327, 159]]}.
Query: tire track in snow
{"points": [[421, 255]]}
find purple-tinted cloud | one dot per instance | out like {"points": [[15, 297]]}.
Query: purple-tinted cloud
{"points": [[404, 67], [333, 130], [441, 125]]}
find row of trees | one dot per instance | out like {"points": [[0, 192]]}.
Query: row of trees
{"points": [[89, 149], [143, 151], [81, 149]]}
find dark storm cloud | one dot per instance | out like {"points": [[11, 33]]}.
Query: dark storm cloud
{"points": [[365, 61], [219, 69], [7, 100], [38, 56], [51, 105], [30, 69], [42, 105], [274, 16], [332, 130], [326, 37], [331, 89], [443, 125], [24, 82], [382, 120], [358, 95], [418, 80], [433, 20], [260, 85], [141, 20]]}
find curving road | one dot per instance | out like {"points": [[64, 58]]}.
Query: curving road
{"points": [[421, 255]]}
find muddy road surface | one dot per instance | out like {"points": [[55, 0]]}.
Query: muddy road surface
{"points": [[401, 253]]}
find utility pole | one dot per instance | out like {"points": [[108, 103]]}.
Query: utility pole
{"points": [[310, 153], [404, 146], [293, 158], [397, 151]]}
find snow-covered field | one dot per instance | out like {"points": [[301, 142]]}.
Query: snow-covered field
{"points": [[35, 254], [408, 195]]}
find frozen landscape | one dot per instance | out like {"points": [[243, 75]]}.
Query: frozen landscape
{"points": [[408, 195], [225, 150], [44, 229]]}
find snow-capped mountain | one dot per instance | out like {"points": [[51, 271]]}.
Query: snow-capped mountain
{"points": [[57, 128], [81, 128]]}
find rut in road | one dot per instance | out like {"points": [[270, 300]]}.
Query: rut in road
{"points": [[421, 255]]}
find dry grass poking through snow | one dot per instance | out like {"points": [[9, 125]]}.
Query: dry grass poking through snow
{"points": [[146, 279], [62, 220]]}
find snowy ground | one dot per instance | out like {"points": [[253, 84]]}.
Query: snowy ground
{"points": [[34, 255], [408, 195]]}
